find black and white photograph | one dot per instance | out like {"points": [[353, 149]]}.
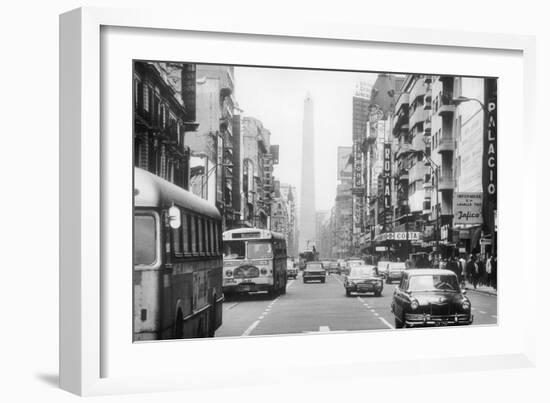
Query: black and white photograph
{"points": [[276, 201]]}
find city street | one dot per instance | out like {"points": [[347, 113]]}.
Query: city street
{"points": [[316, 307]]}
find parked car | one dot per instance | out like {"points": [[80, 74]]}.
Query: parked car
{"points": [[291, 270], [351, 263], [430, 297], [314, 271], [394, 271], [334, 267], [363, 279]]}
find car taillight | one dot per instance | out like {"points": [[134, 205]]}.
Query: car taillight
{"points": [[263, 271], [228, 273]]}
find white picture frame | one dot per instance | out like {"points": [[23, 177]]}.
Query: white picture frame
{"points": [[85, 346]]}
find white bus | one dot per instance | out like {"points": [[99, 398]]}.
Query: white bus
{"points": [[254, 260]]}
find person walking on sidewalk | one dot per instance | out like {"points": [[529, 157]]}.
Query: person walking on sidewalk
{"points": [[462, 265], [488, 270], [472, 268]]}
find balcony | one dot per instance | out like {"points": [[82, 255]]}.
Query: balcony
{"points": [[401, 121], [417, 117], [446, 183], [403, 100], [404, 148], [418, 90], [428, 127], [445, 104], [419, 143], [446, 145], [417, 172]]}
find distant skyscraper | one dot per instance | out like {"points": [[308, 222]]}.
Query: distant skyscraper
{"points": [[306, 221]]}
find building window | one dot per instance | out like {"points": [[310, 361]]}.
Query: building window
{"points": [[146, 98]]}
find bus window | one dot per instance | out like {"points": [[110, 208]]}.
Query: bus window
{"points": [[259, 250], [216, 242], [200, 235], [145, 240], [193, 233], [207, 235], [176, 241], [186, 230], [211, 232], [234, 250]]}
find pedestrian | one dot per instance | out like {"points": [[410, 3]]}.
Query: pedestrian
{"points": [[488, 270], [482, 275], [454, 266], [472, 268], [462, 264]]}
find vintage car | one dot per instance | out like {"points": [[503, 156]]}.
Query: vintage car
{"points": [[351, 263], [394, 271], [430, 297], [363, 279], [314, 271], [334, 267], [291, 269]]}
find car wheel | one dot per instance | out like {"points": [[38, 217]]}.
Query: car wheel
{"points": [[398, 324], [348, 293], [378, 294]]}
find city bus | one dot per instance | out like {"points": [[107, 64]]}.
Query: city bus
{"points": [[177, 266], [254, 260]]}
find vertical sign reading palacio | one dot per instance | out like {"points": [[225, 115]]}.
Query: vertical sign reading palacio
{"points": [[387, 182], [489, 173]]}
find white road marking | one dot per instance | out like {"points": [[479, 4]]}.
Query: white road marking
{"points": [[324, 329], [483, 312], [494, 316], [384, 321], [261, 317], [250, 328], [232, 306]]}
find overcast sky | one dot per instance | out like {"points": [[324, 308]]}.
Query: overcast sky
{"points": [[276, 97]]}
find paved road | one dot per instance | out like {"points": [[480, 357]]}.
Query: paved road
{"points": [[317, 307]]}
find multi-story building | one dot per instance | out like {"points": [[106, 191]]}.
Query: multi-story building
{"points": [[288, 194], [164, 111], [257, 157], [212, 144], [439, 151]]}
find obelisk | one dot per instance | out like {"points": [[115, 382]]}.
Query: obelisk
{"points": [[306, 221]]}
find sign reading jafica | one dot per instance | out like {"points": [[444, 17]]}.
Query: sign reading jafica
{"points": [[467, 208]]}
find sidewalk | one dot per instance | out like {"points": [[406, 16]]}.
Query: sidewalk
{"points": [[482, 289]]}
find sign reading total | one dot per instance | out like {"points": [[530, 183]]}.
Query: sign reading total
{"points": [[467, 208]]}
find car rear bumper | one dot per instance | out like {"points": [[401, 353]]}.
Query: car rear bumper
{"points": [[318, 277], [248, 287], [362, 288], [438, 320]]}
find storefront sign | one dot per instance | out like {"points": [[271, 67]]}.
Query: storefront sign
{"points": [[467, 208], [381, 248], [387, 176]]}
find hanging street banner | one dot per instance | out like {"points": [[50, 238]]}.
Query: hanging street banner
{"points": [[467, 208]]}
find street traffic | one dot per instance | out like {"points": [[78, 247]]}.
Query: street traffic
{"points": [[316, 307]]}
